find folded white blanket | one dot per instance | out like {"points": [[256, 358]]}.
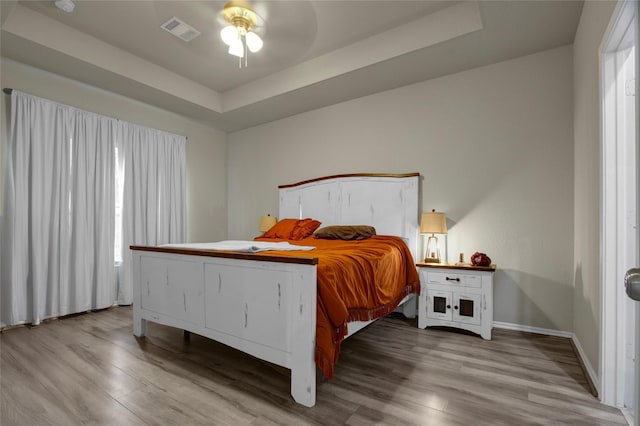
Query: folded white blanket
{"points": [[241, 246]]}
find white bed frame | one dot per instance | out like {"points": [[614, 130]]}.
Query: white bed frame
{"points": [[262, 304]]}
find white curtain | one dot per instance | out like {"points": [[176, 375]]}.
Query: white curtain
{"points": [[68, 172], [57, 225], [154, 200]]}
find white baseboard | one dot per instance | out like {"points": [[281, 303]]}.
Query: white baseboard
{"points": [[529, 329], [628, 415], [558, 333], [586, 364]]}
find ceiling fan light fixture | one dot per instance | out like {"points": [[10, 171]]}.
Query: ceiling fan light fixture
{"points": [[229, 35], [237, 49], [238, 34], [254, 42]]}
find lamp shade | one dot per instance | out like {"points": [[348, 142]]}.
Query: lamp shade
{"points": [[254, 42], [266, 222], [229, 34], [237, 48], [433, 223]]}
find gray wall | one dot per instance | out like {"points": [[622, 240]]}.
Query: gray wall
{"points": [[586, 302], [206, 147], [494, 146]]}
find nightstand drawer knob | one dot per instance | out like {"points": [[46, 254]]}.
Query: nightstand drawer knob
{"points": [[453, 279]]}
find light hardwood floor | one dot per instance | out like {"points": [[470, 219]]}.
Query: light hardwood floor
{"points": [[90, 369]]}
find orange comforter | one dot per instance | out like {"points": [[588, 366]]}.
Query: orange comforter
{"points": [[357, 281]]}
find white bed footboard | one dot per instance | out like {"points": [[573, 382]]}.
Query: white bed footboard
{"points": [[264, 308]]}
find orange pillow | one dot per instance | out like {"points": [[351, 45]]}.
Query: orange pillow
{"points": [[292, 229], [282, 229], [304, 228]]}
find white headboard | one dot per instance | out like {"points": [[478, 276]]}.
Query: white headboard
{"points": [[388, 202]]}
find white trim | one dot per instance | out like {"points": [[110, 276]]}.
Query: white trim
{"points": [[593, 376], [608, 323], [628, 415], [611, 351], [529, 329], [557, 333]]}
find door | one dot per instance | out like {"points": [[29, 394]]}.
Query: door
{"points": [[634, 293], [619, 198], [632, 288], [632, 277], [637, 404]]}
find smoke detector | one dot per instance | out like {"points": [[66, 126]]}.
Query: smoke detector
{"points": [[180, 29], [66, 5]]}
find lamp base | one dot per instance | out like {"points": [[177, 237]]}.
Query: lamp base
{"points": [[433, 251]]}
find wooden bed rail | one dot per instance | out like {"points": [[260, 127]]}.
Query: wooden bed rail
{"points": [[265, 257]]}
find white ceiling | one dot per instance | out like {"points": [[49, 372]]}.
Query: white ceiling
{"points": [[316, 52]]}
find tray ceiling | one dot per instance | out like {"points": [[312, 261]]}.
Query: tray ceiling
{"points": [[316, 53]]}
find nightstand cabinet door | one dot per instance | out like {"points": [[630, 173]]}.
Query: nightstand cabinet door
{"points": [[456, 296], [439, 305], [466, 308]]}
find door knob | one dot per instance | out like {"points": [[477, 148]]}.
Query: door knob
{"points": [[632, 283]]}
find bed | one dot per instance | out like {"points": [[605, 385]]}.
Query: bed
{"points": [[266, 303]]}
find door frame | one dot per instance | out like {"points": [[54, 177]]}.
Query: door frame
{"points": [[612, 303]]}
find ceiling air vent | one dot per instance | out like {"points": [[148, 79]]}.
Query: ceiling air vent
{"points": [[181, 30]]}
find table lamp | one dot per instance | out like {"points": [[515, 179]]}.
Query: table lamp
{"points": [[266, 222], [433, 223]]}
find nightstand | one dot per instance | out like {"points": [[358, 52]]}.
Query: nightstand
{"points": [[456, 295]]}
